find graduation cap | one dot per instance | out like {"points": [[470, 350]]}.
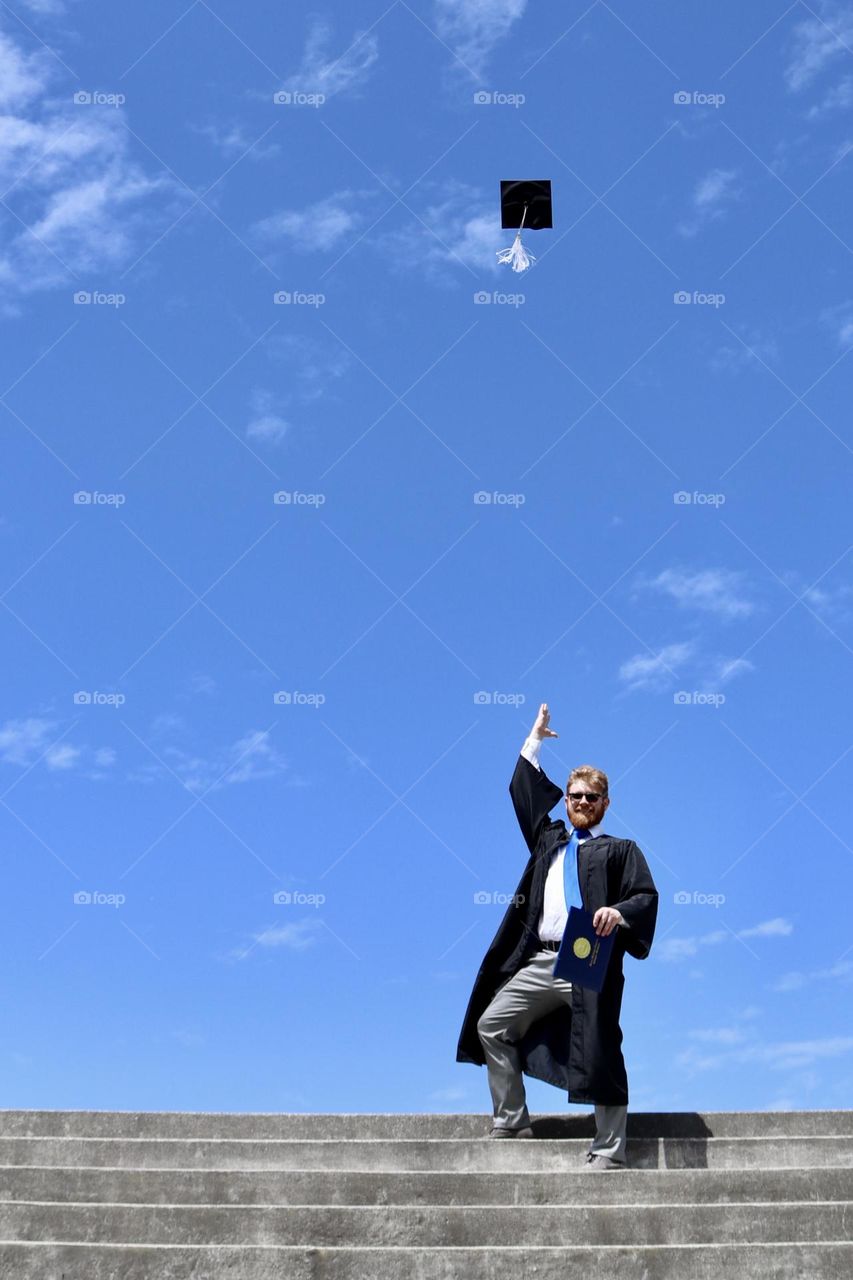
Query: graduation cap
{"points": [[526, 205]]}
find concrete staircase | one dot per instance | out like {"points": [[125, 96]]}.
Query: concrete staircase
{"points": [[87, 1195]]}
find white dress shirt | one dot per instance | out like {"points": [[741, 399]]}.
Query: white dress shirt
{"points": [[555, 914]]}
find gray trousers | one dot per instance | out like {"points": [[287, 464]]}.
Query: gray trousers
{"points": [[527, 996]]}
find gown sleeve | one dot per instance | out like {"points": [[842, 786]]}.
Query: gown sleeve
{"points": [[533, 797], [638, 902]]}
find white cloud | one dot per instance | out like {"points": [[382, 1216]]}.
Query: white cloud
{"points": [[25, 742], [838, 98], [780, 1056], [22, 740], [460, 230], [472, 28], [313, 366], [709, 199], [716, 591], [266, 425], [817, 42], [297, 936], [673, 949], [841, 971], [319, 227], [68, 178], [321, 73], [653, 670], [250, 759], [736, 356], [233, 140]]}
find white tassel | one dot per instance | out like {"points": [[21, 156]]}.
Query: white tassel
{"points": [[517, 255]]}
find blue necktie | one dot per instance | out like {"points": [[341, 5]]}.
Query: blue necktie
{"points": [[570, 872]]}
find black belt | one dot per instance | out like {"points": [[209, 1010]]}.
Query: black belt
{"points": [[549, 946]]}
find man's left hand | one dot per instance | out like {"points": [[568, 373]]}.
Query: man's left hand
{"points": [[605, 920]]}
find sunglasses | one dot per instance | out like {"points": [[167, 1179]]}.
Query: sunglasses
{"points": [[591, 796]]}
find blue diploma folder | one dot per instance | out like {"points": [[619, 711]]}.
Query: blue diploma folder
{"points": [[583, 954]]}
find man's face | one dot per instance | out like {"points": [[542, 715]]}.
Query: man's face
{"points": [[582, 811]]}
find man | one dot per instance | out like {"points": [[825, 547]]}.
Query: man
{"points": [[522, 1019]]}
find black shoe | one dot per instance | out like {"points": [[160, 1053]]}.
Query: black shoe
{"points": [[501, 1131]]}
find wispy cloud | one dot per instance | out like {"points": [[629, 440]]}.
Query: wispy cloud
{"points": [[673, 949], [456, 231], [266, 424], [472, 28], [838, 98], [69, 178], [322, 72], [795, 980], [317, 228], [25, 742], [817, 42], [233, 140], [782, 1055], [298, 936], [655, 670], [734, 356], [716, 591], [251, 758], [710, 197], [313, 366]]}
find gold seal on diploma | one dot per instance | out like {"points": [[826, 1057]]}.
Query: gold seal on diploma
{"points": [[581, 948]]}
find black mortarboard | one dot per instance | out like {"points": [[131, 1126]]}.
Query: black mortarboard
{"points": [[535, 197], [526, 205]]}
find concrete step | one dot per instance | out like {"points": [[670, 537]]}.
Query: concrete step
{"points": [[448, 1154], [179, 1124], [831, 1260], [437, 1226], [427, 1187]]}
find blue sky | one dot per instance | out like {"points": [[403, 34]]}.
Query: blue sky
{"points": [[311, 503]]}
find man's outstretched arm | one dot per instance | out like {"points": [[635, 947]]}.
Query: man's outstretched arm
{"points": [[533, 794]]}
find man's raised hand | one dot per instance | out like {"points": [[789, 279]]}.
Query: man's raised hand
{"points": [[540, 728]]}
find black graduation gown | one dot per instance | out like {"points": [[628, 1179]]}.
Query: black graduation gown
{"points": [[577, 1047]]}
